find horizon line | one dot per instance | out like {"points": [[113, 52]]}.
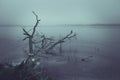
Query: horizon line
{"points": [[15, 25]]}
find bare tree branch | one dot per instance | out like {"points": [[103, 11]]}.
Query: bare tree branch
{"points": [[70, 35], [37, 22], [25, 38], [26, 33]]}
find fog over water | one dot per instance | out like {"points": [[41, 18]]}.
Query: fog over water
{"points": [[54, 12], [103, 43], [58, 18]]}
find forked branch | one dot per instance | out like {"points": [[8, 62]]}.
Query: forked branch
{"points": [[34, 28]]}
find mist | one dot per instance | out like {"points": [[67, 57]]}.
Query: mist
{"points": [[92, 55], [53, 12]]}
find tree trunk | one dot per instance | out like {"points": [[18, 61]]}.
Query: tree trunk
{"points": [[30, 46]]}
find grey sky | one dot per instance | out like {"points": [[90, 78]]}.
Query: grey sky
{"points": [[60, 11]]}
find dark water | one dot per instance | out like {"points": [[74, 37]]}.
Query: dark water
{"points": [[103, 43]]}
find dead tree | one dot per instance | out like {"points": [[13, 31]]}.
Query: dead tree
{"points": [[50, 44], [46, 44], [31, 36]]}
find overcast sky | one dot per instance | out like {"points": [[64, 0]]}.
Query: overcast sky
{"points": [[60, 11]]}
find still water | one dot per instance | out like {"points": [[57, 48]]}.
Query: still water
{"points": [[101, 42]]}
